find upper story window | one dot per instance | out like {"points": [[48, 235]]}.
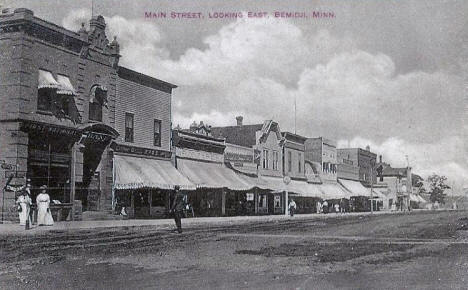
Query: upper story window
{"points": [[129, 127], [97, 100], [157, 133], [56, 95], [44, 98], [299, 167], [46, 90], [265, 159], [275, 160], [289, 161]]}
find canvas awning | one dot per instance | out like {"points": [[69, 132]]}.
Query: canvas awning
{"points": [[376, 193], [414, 197], [421, 199], [65, 86], [258, 182], [312, 190], [333, 191], [47, 80], [134, 172], [102, 98], [211, 175], [355, 187]]}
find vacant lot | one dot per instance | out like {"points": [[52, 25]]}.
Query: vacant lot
{"points": [[423, 250]]}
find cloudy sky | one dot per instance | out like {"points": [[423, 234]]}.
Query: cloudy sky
{"points": [[389, 74]]}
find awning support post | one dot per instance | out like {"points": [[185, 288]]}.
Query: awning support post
{"points": [[72, 181]]}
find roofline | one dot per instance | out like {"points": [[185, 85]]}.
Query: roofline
{"points": [[235, 126], [294, 135], [143, 79]]}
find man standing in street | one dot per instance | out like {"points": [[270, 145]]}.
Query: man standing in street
{"points": [[177, 208]]}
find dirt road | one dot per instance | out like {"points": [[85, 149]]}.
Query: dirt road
{"points": [[425, 250]]}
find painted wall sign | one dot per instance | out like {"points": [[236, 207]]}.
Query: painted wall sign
{"points": [[48, 129], [231, 156], [140, 151]]}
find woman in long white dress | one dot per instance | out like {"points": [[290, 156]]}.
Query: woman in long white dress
{"points": [[24, 202], [44, 216]]}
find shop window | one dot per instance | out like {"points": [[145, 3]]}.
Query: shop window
{"points": [[277, 201], [265, 159], [289, 161], [157, 133], [128, 127], [158, 198], [262, 200]]}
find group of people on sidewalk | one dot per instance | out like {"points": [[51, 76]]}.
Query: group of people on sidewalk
{"points": [[24, 203]]}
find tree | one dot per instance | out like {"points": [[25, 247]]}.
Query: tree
{"points": [[437, 187]]}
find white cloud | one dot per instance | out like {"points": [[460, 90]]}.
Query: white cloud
{"points": [[256, 67]]}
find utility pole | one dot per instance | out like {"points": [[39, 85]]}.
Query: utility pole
{"points": [[371, 169]]}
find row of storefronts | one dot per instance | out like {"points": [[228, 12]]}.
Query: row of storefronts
{"points": [[100, 137]]}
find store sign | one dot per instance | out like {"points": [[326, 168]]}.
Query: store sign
{"points": [[238, 157], [140, 151], [48, 129], [97, 137]]}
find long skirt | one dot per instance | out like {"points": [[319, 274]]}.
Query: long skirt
{"points": [[44, 217], [24, 214]]}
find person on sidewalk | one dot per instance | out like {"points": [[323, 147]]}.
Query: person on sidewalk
{"points": [[24, 207], [325, 207], [177, 209], [292, 207], [44, 216]]}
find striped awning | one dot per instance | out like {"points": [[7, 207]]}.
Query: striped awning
{"points": [[332, 190], [355, 187], [211, 175], [65, 86], [47, 80], [134, 172]]}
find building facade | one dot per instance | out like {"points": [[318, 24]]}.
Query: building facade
{"points": [[267, 142], [57, 103], [74, 120]]}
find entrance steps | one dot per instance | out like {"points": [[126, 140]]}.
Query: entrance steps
{"points": [[100, 216]]}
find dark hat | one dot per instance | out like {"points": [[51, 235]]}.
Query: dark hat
{"points": [[176, 187], [43, 187]]}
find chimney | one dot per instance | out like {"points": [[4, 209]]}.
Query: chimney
{"points": [[367, 148], [239, 120]]}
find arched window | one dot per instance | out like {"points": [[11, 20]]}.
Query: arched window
{"points": [[98, 99]]}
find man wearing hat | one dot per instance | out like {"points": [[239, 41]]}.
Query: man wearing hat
{"points": [[177, 208], [44, 216]]}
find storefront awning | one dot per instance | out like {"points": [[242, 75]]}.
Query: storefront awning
{"points": [[379, 193], [47, 80], [258, 182], [133, 172], [414, 197], [211, 175], [65, 86], [355, 187], [333, 191]]}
